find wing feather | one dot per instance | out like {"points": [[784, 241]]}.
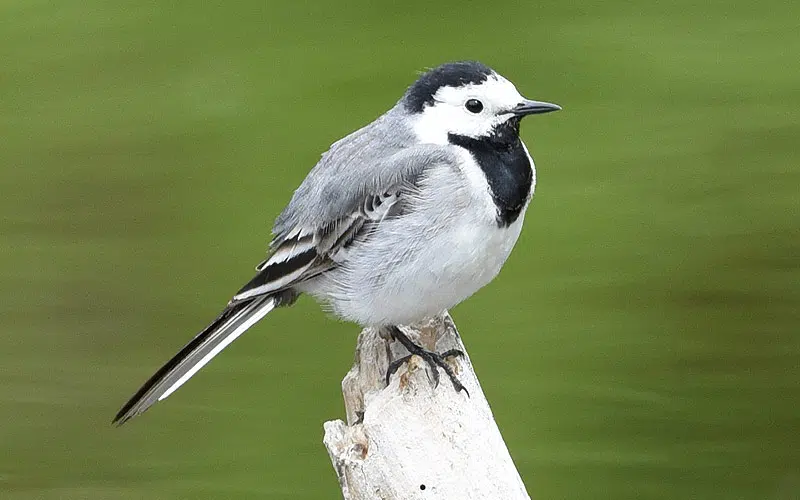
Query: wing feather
{"points": [[351, 173]]}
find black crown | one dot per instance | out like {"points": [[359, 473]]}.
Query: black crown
{"points": [[454, 74]]}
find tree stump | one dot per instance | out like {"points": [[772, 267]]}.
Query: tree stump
{"points": [[410, 440]]}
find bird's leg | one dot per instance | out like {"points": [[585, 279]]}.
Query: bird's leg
{"points": [[433, 359]]}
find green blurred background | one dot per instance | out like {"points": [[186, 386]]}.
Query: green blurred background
{"points": [[642, 341]]}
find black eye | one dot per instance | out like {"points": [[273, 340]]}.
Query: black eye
{"points": [[474, 106]]}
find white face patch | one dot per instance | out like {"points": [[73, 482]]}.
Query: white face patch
{"points": [[449, 114]]}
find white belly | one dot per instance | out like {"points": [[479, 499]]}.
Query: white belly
{"points": [[454, 266], [398, 286]]}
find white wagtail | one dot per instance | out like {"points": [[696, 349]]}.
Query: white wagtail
{"points": [[398, 221]]}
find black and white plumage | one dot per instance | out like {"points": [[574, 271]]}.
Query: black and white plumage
{"points": [[398, 221]]}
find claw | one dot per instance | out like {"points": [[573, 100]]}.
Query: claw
{"points": [[434, 360], [394, 366], [453, 353]]}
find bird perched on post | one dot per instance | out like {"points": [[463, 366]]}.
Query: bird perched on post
{"points": [[398, 221]]}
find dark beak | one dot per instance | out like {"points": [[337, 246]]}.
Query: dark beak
{"points": [[527, 107]]}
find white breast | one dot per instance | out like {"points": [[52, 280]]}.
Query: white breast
{"points": [[429, 260]]}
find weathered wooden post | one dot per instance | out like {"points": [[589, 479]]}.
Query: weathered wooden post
{"points": [[411, 441]]}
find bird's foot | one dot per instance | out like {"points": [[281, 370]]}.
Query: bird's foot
{"points": [[434, 360]]}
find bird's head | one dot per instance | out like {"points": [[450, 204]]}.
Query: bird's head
{"points": [[466, 99]]}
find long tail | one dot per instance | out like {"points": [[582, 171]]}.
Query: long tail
{"points": [[233, 322]]}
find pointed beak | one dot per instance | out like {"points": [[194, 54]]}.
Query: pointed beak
{"points": [[528, 107]]}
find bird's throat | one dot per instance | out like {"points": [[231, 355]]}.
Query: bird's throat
{"points": [[503, 160]]}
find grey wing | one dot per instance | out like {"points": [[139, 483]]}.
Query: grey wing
{"points": [[327, 226], [382, 154]]}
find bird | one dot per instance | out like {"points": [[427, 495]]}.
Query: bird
{"points": [[397, 222]]}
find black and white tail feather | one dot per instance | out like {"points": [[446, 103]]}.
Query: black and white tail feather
{"points": [[233, 321], [297, 256]]}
